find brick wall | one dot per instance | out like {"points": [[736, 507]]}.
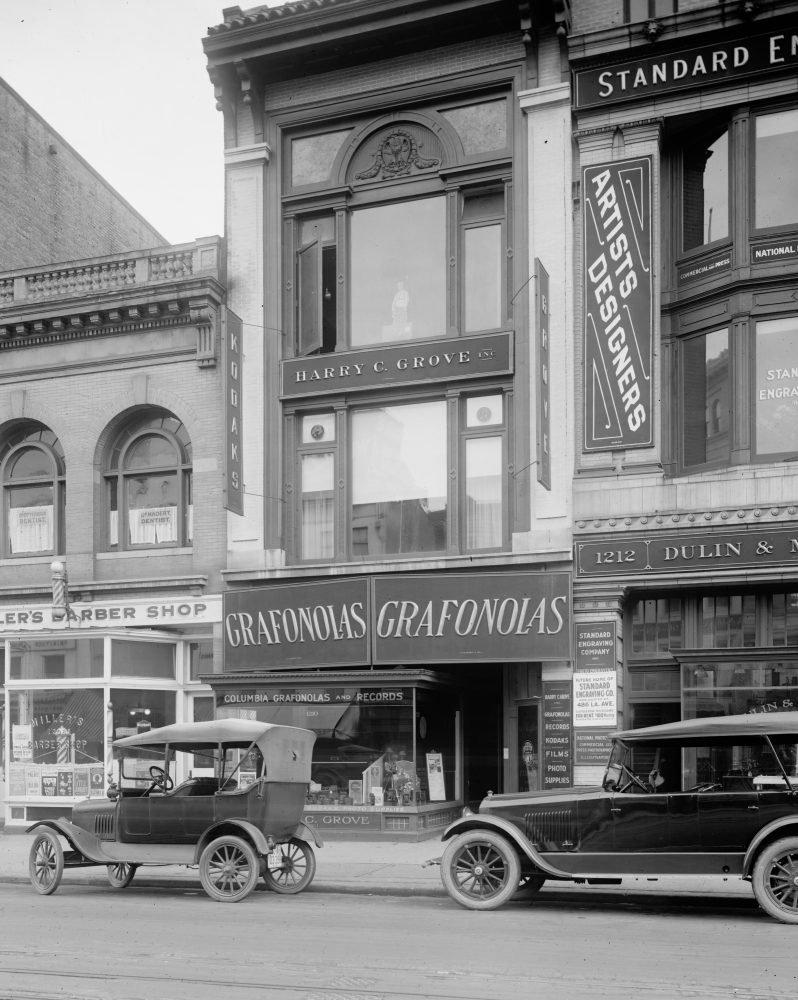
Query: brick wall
{"points": [[595, 15], [85, 409], [54, 207]]}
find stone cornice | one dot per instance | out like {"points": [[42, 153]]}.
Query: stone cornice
{"points": [[725, 519]]}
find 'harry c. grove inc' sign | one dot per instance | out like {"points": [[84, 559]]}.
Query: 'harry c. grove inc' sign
{"points": [[435, 618]]}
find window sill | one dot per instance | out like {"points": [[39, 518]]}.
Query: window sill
{"points": [[30, 560], [137, 553]]}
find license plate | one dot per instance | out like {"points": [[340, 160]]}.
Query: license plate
{"points": [[275, 858]]}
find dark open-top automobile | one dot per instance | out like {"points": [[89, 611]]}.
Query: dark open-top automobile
{"points": [[235, 827], [715, 796]]}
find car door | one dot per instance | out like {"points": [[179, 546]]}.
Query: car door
{"points": [[167, 818], [640, 822], [134, 816], [729, 818]]}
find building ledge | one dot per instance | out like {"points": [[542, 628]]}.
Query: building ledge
{"points": [[87, 590], [538, 560]]}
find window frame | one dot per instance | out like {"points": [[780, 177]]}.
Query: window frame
{"points": [[688, 470], [58, 484], [183, 472], [754, 230], [681, 255], [457, 434]]}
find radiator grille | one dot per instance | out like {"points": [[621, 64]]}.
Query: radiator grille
{"points": [[550, 826], [105, 826]]}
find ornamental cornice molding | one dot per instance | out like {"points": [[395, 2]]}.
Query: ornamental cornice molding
{"points": [[725, 518]]}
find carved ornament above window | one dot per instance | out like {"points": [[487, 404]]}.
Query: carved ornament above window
{"points": [[395, 155]]}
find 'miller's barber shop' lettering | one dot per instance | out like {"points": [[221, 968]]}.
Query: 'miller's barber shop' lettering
{"points": [[682, 70], [440, 618]]}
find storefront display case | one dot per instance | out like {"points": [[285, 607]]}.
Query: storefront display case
{"points": [[388, 751]]}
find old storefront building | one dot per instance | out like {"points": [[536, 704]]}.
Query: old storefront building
{"points": [[686, 492], [398, 201], [111, 396]]}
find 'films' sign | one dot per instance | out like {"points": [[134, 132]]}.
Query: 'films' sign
{"points": [[617, 305]]}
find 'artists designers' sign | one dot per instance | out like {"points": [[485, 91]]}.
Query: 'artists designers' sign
{"points": [[617, 305], [687, 551], [398, 364], [661, 72], [437, 618]]}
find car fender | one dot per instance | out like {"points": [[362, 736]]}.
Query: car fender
{"points": [[80, 840], [762, 836], [479, 821], [253, 833], [306, 832]]}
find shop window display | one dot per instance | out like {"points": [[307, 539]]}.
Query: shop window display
{"points": [[136, 711], [734, 688], [56, 743]]}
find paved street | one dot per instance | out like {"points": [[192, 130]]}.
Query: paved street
{"points": [[369, 929]]}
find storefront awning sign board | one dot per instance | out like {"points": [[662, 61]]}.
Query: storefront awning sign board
{"points": [[435, 618], [114, 614]]}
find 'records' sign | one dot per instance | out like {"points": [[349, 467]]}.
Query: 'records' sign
{"points": [[441, 618], [618, 341]]}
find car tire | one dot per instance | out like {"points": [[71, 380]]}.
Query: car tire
{"points": [[775, 880], [121, 874], [46, 862], [229, 869], [297, 871], [529, 886], [480, 870]]}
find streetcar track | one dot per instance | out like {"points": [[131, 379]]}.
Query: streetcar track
{"points": [[565, 985]]}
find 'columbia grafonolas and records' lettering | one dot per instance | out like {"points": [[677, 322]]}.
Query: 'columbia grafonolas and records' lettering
{"points": [[617, 305]]}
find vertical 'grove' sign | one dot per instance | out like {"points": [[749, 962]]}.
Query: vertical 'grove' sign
{"points": [[618, 342], [233, 462]]}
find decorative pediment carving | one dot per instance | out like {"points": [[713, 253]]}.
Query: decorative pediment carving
{"points": [[397, 151]]}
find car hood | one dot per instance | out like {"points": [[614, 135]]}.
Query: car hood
{"points": [[549, 795]]}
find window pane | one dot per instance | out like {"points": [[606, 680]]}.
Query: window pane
{"points": [[150, 453], [483, 278], [322, 228], [142, 659], [399, 272], [706, 192], [309, 320], [399, 479], [138, 711], [113, 512], [484, 492], [728, 621], [66, 729], [200, 662], [706, 398], [656, 625], [43, 659], [30, 463], [483, 206], [318, 427], [483, 411], [152, 509], [318, 475], [776, 387], [30, 519], [776, 176]]}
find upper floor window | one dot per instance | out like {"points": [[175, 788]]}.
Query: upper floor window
{"points": [[776, 154], [705, 191], [33, 471], [149, 484], [421, 477], [642, 10]]}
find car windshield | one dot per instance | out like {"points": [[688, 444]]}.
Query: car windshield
{"points": [[684, 766]]}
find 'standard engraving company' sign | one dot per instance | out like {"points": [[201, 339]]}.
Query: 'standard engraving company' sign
{"points": [[452, 618], [440, 618], [398, 364], [618, 341], [698, 67], [686, 552]]}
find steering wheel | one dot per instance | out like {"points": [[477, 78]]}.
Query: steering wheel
{"points": [[160, 779], [706, 786], [633, 780]]}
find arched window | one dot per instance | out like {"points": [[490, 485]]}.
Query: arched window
{"points": [[32, 471], [148, 484]]}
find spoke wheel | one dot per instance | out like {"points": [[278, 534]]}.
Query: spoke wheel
{"points": [[229, 869], [480, 870], [296, 870], [46, 862], [775, 880], [529, 885], [121, 875]]}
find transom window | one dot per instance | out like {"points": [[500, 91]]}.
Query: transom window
{"points": [[149, 484], [33, 471]]}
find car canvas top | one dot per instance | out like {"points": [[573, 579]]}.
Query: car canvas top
{"points": [[718, 727]]}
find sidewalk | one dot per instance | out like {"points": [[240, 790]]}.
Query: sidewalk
{"points": [[394, 869]]}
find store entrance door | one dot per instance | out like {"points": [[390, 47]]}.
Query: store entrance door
{"points": [[529, 747]]}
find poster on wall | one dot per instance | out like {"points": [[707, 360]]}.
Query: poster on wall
{"points": [[556, 734], [22, 741], [437, 786], [595, 694], [617, 305], [594, 645], [16, 780]]}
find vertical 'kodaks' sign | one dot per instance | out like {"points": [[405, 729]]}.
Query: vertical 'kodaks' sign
{"points": [[618, 305], [543, 428], [232, 332]]}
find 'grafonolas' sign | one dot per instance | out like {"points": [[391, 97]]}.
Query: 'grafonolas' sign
{"points": [[400, 619]]}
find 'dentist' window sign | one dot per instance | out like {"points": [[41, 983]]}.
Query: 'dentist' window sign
{"points": [[430, 361]]}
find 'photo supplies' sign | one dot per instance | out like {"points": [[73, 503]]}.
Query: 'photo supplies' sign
{"points": [[617, 305], [595, 698]]}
